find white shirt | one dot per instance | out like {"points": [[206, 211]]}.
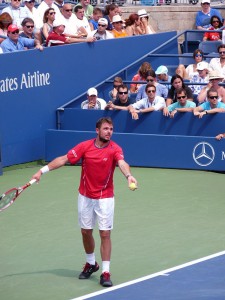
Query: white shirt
{"points": [[215, 65], [157, 104], [70, 25], [34, 15], [83, 23], [107, 35], [100, 104], [17, 14]]}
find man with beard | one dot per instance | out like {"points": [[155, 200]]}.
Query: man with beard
{"points": [[96, 192]]}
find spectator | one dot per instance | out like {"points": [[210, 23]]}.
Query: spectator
{"points": [[69, 20], [113, 94], [97, 14], [59, 4], [16, 12], [118, 30], [149, 104], [101, 33], [215, 78], [93, 102], [202, 77], [48, 19], [56, 37], [140, 76], [146, 27], [182, 105], [31, 12], [177, 83], [5, 21], [82, 24], [215, 23], [212, 106], [133, 25], [123, 100], [16, 43], [203, 16], [162, 76], [190, 70], [88, 8], [111, 10], [46, 4], [161, 90], [28, 29], [218, 63]]}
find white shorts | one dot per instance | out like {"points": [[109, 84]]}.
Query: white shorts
{"points": [[91, 209]]}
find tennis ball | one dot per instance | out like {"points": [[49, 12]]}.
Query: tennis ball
{"points": [[132, 186]]}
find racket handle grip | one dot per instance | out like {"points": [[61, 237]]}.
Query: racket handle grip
{"points": [[32, 181]]}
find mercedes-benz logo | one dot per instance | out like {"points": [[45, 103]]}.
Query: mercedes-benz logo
{"points": [[203, 154]]}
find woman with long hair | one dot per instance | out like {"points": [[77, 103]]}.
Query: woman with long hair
{"points": [[111, 10], [140, 76], [48, 19], [5, 21], [177, 83], [133, 25], [216, 24]]}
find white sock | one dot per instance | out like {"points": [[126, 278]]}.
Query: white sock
{"points": [[90, 258], [105, 266]]}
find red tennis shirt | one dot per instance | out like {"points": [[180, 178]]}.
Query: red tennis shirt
{"points": [[98, 165]]}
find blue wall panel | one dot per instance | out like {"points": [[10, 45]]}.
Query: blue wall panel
{"points": [[145, 150], [33, 84]]}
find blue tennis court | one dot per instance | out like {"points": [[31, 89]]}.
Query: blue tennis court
{"points": [[200, 279]]}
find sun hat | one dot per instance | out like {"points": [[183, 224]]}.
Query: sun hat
{"points": [[202, 65], [142, 13], [103, 21], [116, 18], [161, 70], [215, 75], [12, 28], [92, 92]]}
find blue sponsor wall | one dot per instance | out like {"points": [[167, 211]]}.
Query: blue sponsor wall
{"points": [[185, 142], [34, 84]]}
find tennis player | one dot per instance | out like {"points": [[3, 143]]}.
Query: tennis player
{"points": [[96, 192]]}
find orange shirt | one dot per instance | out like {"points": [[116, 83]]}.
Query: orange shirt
{"points": [[118, 34]]}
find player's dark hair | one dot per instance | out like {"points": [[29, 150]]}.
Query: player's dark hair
{"points": [[103, 120]]}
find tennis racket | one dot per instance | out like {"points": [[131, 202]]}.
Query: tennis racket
{"points": [[10, 196]]}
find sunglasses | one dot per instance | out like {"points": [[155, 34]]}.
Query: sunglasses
{"points": [[181, 97], [206, 3], [29, 26], [118, 22], [198, 55], [150, 80], [213, 97], [222, 52], [15, 32], [123, 93], [151, 91], [68, 10], [101, 25], [16, 0], [52, 13], [215, 21]]}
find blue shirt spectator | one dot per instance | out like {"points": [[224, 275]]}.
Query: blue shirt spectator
{"points": [[203, 17]]}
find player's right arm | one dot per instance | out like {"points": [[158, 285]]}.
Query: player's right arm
{"points": [[54, 164]]}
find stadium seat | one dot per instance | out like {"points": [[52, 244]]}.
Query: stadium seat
{"points": [[184, 60], [193, 39], [209, 46]]}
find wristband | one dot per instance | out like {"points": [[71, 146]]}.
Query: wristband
{"points": [[128, 175], [45, 169]]}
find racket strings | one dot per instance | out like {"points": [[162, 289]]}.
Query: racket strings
{"points": [[7, 198]]}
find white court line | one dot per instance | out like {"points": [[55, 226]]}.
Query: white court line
{"points": [[161, 273]]}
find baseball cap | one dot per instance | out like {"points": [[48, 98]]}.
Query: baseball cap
{"points": [[161, 70], [202, 65], [92, 91], [117, 18], [12, 28], [205, 1], [103, 21]]}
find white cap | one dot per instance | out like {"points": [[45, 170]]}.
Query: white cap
{"points": [[205, 1], [103, 21], [92, 92], [117, 18], [202, 65], [161, 70]]}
